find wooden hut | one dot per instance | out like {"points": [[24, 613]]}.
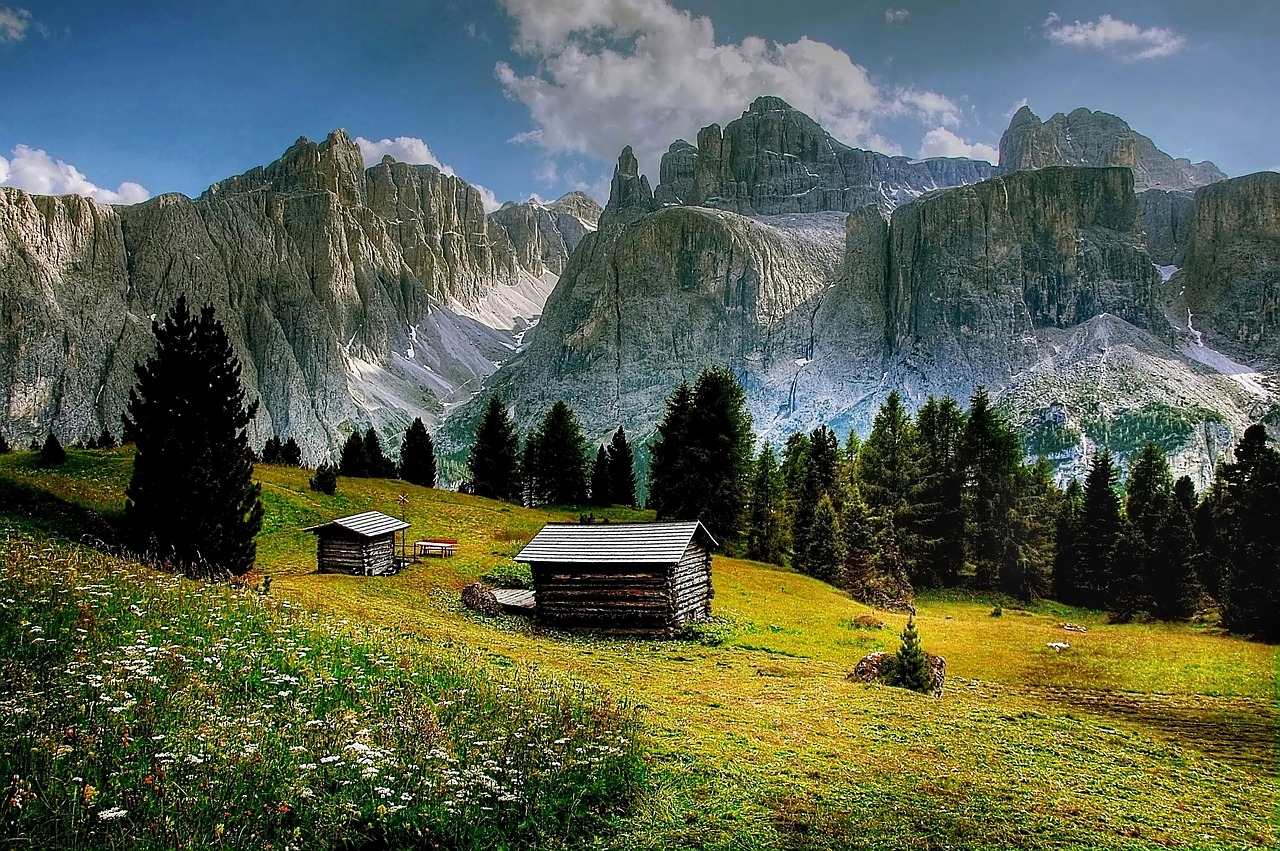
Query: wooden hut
{"points": [[362, 544], [621, 578]]}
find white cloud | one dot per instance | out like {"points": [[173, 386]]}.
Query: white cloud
{"points": [[14, 24], [1126, 40], [896, 16], [410, 149], [33, 170], [941, 142], [611, 73]]}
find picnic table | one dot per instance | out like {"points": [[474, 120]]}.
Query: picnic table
{"points": [[442, 547]]}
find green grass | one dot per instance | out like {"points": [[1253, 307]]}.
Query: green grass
{"points": [[1138, 736]]}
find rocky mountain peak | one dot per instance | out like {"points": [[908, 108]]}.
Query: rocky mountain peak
{"points": [[334, 165], [629, 194]]}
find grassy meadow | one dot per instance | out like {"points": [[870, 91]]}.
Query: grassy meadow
{"points": [[745, 735]]}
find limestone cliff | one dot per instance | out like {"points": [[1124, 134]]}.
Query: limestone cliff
{"points": [[1087, 138]]}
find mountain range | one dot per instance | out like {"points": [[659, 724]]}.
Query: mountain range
{"points": [[1105, 292]]}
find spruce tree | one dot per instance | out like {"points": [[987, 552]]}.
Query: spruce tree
{"points": [[823, 558], [1156, 569], [601, 484], [622, 470], [377, 464], [527, 469], [888, 477], [291, 453], [1103, 526], [5, 449], [353, 463], [764, 525], [858, 540], [821, 462], [794, 472], [418, 455], [670, 476], [192, 498], [494, 461], [941, 427], [325, 479], [106, 440], [1251, 532], [910, 669], [992, 456], [52, 452], [271, 450], [1027, 567], [1069, 530], [562, 461]]}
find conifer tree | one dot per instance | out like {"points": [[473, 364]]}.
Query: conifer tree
{"points": [[291, 453], [377, 464], [106, 440], [992, 455], [1066, 560], [494, 461], [622, 470], [192, 497], [271, 450], [670, 476], [5, 449], [353, 463], [823, 558], [1102, 527], [418, 455], [562, 462], [1155, 570], [1211, 544], [794, 472], [1184, 491], [858, 540], [1251, 530], [888, 476], [820, 464], [764, 526], [1027, 567], [910, 669], [527, 469], [325, 479], [941, 426], [52, 452], [601, 484]]}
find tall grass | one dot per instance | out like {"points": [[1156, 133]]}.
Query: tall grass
{"points": [[145, 711]]}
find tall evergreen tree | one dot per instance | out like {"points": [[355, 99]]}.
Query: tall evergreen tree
{"points": [[192, 498], [992, 455], [670, 476], [1184, 491], [941, 426], [1211, 543], [1250, 526], [353, 463], [562, 460], [1067, 556], [1155, 570], [418, 455], [601, 483], [823, 558], [1103, 526], [377, 464], [52, 452], [290, 453], [271, 450], [622, 470], [1027, 568], [494, 461], [857, 540], [821, 462], [795, 472], [764, 526], [888, 477], [527, 469]]}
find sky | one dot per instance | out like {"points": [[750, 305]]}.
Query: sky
{"points": [[125, 100]]}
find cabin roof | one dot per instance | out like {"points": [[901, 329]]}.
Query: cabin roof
{"points": [[613, 543], [367, 524]]}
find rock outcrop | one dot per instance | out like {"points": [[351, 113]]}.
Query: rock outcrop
{"points": [[544, 235], [776, 160], [874, 668], [1087, 138], [1166, 217], [352, 296]]}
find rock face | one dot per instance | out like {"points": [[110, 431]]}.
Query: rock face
{"points": [[1167, 217], [352, 296], [1089, 138], [1232, 273], [776, 160], [543, 236]]}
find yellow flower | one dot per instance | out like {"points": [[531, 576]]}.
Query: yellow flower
{"points": [[89, 794]]}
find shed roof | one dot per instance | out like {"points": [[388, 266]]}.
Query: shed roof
{"points": [[367, 524], [613, 543]]}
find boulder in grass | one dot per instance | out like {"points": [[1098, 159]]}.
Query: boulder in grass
{"points": [[875, 668], [479, 598]]}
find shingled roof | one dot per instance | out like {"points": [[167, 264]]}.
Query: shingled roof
{"points": [[613, 543], [367, 524]]}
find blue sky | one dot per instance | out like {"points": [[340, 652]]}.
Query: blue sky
{"points": [[127, 99]]}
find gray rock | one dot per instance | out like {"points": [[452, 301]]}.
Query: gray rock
{"points": [[1166, 217], [480, 598]]}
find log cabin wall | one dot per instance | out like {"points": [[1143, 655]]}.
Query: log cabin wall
{"points": [[359, 556]]}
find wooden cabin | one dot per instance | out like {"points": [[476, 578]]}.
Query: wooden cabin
{"points": [[362, 544], [621, 578]]}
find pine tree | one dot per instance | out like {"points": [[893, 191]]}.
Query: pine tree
{"points": [[992, 456], [353, 463], [1102, 526], [271, 450], [418, 455], [910, 669], [291, 453], [192, 497], [669, 468], [1251, 531], [622, 470], [377, 464], [325, 479], [52, 452], [601, 484], [562, 460], [1155, 569], [494, 460], [764, 525], [1027, 567], [794, 472], [888, 478], [821, 462], [823, 558], [106, 440], [1211, 544], [5, 449], [941, 426], [1184, 491], [1066, 561], [858, 544], [527, 470]]}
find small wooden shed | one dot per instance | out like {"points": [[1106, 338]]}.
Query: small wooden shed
{"points": [[363, 544], [621, 578]]}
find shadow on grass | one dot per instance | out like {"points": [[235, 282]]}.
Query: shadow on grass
{"points": [[30, 509]]}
